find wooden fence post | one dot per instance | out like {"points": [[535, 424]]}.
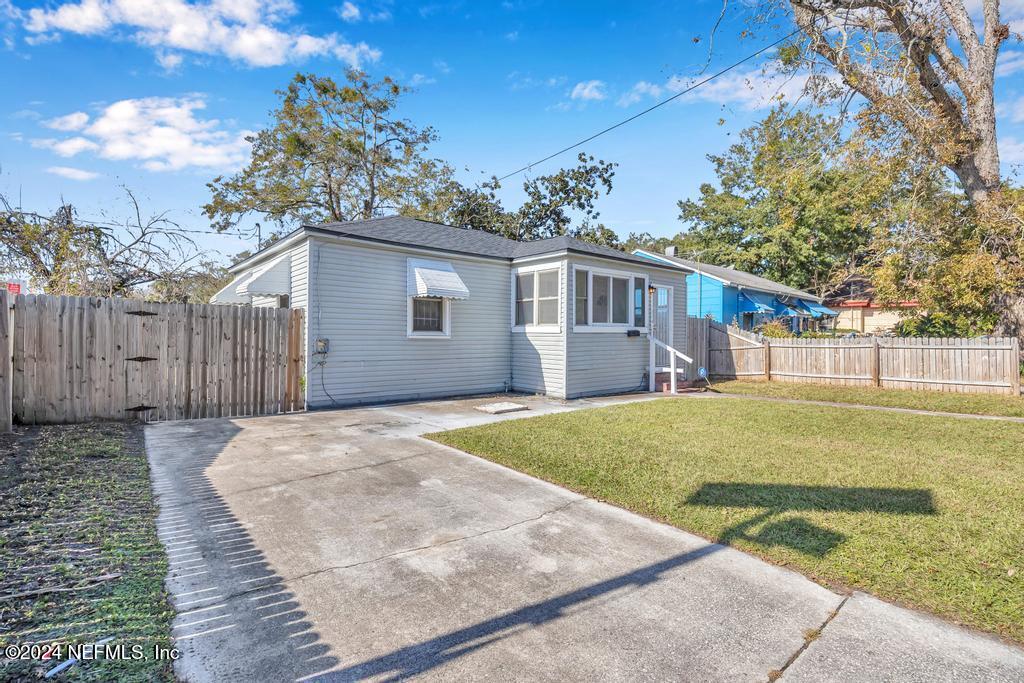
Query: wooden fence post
{"points": [[767, 359], [876, 370], [1015, 367], [6, 364]]}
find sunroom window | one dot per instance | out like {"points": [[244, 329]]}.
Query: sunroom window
{"points": [[538, 297], [582, 290], [609, 299]]}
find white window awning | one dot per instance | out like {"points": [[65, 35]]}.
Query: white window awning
{"points": [[229, 294], [435, 278], [270, 279]]}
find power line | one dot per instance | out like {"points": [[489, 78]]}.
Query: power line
{"points": [[651, 108]]}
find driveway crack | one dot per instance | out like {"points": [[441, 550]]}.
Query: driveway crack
{"points": [[809, 637], [325, 474]]}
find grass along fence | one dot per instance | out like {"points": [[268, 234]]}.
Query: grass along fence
{"points": [[76, 359], [982, 365]]}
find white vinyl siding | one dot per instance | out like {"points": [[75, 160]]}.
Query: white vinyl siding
{"points": [[611, 361], [359, 302], [264, 302], [538, 353]]}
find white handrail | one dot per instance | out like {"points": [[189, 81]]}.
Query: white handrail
{"points": [[669, 348], [673, 353]]}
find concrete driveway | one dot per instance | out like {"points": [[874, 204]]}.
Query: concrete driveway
{"points": [[342, 546]]}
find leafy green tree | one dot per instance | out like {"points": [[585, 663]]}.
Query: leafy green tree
{"points": [[339, 152], [335, 152], [561, 203], [790, 204]]}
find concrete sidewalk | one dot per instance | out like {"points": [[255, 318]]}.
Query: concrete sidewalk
{"points": [[342, 546]]}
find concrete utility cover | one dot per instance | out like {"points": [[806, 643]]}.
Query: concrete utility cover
{"points": [[501, 408]]}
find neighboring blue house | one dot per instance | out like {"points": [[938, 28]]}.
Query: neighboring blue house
{"points": [[731, 296]]}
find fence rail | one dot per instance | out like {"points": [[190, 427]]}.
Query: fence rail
{"points": [[75, 359], [982, 365]]}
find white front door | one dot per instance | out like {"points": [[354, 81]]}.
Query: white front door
{"points": [[662, 324]]}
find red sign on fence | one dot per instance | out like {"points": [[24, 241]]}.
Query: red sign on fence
{"points": [[13, 287]]}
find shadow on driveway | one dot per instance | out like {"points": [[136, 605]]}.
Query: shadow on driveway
{"points": [[226, 595], [416, 659]]}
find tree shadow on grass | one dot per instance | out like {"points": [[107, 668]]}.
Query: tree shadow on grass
{"points": [[796, 532]]}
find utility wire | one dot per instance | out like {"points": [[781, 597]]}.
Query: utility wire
{"points": [[651, 108]]}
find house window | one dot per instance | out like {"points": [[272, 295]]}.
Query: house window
{"points": [[639, 297], [547, 297], [609, 299], [602, 296], [429, 316], [538, 297], [524, 299], [620, 300], [582, 296]]}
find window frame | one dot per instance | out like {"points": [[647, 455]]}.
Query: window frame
{"points": [[446, 320], [535, 269], [632, 276]]}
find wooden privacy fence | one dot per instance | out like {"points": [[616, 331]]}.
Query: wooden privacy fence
{"points": [[982, 365], [76, 359]]}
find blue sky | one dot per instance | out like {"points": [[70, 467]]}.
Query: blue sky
{"points": [[157, 94]]}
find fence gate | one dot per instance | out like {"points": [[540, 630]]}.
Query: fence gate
{"points": [[83, 358]]}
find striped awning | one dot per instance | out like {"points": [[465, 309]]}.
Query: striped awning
{"points": [[435, 278], [756, 302], [817, 310]]}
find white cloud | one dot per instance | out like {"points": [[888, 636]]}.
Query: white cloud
{"points": [[1010, 62], [420, 79], [588, 90], [752, 90], [1011, 150], [69, 122], [247, 31], [69, 147], [349, 12], [638, 92], [1013, 110], [161, 133], [169, 61], [72, 173], [512, 36], [520, 81]]}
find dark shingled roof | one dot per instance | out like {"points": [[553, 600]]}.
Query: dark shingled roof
{"points": [[412, 232]]}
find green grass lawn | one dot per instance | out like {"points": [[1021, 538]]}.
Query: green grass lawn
{"points": [[76, 506], [923, 510], [973, 404]]}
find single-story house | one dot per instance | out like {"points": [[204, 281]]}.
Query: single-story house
{"points": [[400, 309], [858, 310], [732, 296]]}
